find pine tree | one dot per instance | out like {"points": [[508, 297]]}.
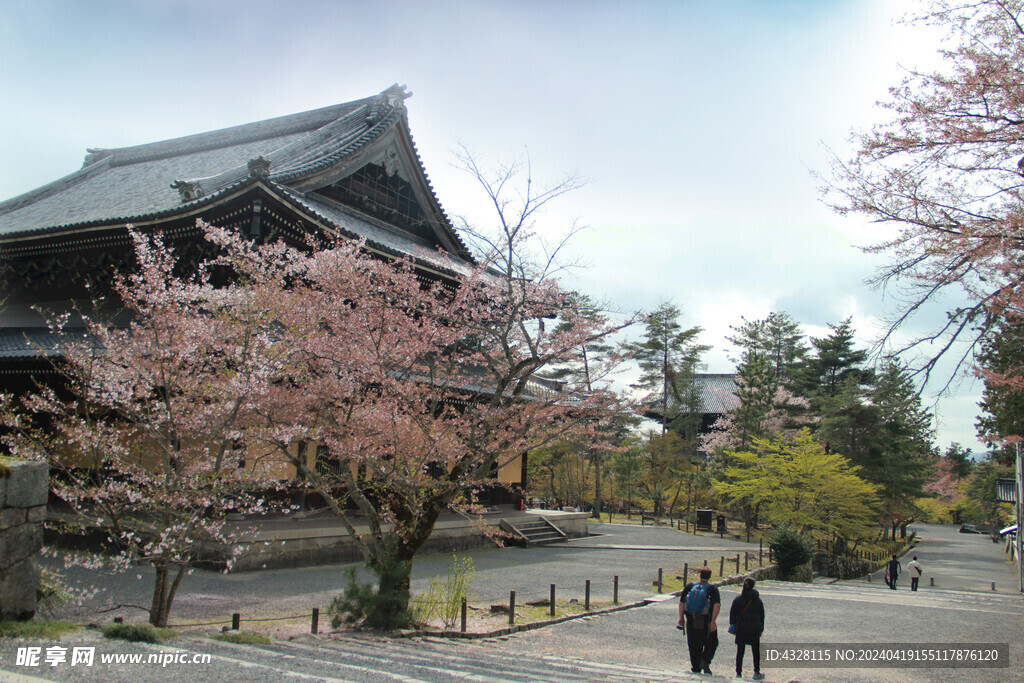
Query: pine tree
{"points": [[778, 340], [669, 357], [834, 362], [1002, 355], [905, 443]]}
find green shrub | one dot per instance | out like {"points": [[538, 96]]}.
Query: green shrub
{"points": [[137, 633], [242, 638], [383, 608], [790, 549], [444, 599], [36, 629]]}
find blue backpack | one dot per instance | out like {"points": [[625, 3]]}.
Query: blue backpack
{"points": [[698, 600]]}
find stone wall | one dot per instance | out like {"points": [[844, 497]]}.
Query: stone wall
{"points": [[23, 491], [839, 567], [301, 545]]}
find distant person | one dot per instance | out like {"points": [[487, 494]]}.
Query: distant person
{"points": [[915, 570], [746, 620], [699, 606], [892, 571]]}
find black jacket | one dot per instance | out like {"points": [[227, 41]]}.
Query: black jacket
{"points": [[748, 620]]}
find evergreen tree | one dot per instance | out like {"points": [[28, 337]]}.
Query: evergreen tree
{"points": [[777, 339], [905, 429], [960, 460], [756, 389], [874, 419], [1002, 354], [833, 363], [669, 357]]}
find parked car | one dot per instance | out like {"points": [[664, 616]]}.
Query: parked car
{"points": [[969, 529]]}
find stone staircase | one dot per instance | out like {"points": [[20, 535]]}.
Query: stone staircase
{"points": [[532, 531]]}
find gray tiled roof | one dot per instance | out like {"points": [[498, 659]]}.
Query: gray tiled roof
{"points": [[129, 183], [380, 235], [717, 393], [16, 342]]}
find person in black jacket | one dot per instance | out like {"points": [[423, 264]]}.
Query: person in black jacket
{"points": [[893, 570], [747, 616]]}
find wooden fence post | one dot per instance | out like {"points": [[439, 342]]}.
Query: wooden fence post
{"points": [[659, 579], [586, 599], [552, 610], [615, 590], [315, 626], [462, 626], [236, 621], [511, 608]]}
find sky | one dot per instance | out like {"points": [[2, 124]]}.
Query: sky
{"points": [[697, 126]]}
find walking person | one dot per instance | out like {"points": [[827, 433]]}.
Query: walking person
{"points": [[892, 570], [915, 570], [699, 606], [746, 620]]}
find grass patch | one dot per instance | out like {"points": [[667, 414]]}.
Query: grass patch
{"points": [[532, 613], [36, 629], [242, 638], [137, 633]]}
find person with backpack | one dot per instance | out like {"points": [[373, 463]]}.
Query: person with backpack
{"points": [[915, 570], [699, 605], [746, 620], [892, 572]]}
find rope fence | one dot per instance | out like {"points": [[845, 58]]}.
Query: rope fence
{"points": [[580, 594]]}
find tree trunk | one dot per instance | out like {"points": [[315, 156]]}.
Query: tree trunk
{"points": [[164, 590], [597, 485], [391, 561], [157, 617]]}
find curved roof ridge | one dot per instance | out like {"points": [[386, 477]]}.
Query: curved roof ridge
{"points": [[226, 137], [323, 146]]}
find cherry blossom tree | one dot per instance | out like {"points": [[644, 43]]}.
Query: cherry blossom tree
{"points": [[392, 393], [141, 432], [944, 170]]}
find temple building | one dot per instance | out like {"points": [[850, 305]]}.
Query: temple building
{"points": [[350, 170]]}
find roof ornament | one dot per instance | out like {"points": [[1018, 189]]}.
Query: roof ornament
{"points": [[188, 190], [95, 154], [391, 161], [396, 95], [382, 104], [259, 167]]}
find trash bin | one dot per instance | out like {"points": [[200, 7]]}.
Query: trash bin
{"points": [[721, 525], [704, 518]]}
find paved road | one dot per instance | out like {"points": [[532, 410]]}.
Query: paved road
{"points": [[207, 595], [638, 644], [962, 608]]}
